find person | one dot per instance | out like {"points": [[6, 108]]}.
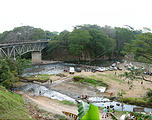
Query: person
{"points": [[108, 110], [51, 81], [111, 94], [39, 92], [113, 110], [104, 112]]}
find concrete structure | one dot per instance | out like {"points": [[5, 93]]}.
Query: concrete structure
{"points": [[36, 57], [14, 49]]}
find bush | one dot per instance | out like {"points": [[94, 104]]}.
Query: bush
{"points": [[136, 101], [67, 102], [60, 117], [11, 106], [149, 95], [89, 80]]}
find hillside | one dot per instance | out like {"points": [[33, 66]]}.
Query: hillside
{"points": [[25, 33], [11, 106]]}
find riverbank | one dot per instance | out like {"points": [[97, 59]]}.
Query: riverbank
{"points": [[113, 81], [56, 108]]}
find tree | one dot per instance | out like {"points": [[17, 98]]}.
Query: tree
{"points": [[109, 31], [7, 78], [141, 47], [78, 41], [121, 94], [123, 36], [149, 95], [63, 38], [10, 70], [100, 44], [53, 44], [37, 34]]}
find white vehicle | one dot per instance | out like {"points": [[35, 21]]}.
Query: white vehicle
{"points": [[100, 69], [71, 70], [113, 65]]}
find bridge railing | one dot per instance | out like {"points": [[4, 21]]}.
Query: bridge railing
{"points": [[24, 42]]}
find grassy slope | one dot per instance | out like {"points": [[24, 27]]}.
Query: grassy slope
{"points": [[40, 78], [11, 106], [89, 80]]}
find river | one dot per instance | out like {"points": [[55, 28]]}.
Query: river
{"points": [[36, 89]]}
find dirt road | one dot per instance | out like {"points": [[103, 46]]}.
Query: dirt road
{"points": [[50, 105], [54, 106]]}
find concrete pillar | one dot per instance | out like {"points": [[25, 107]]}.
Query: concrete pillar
{"points": [[36, 57]]}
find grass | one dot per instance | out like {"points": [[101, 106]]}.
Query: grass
{"points": [[43, 76], [39, 78], [89, 80], [11, 106], [110, 77], [67, 102], [60, 117], [136, 101]]}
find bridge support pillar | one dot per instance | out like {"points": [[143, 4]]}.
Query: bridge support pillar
{"points": [[36, 57]]}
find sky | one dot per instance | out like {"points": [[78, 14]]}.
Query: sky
{"points": [[59, 15]]}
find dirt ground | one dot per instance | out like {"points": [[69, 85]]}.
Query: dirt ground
{"points": [[114, 82], [55, 107], [74, 89]]}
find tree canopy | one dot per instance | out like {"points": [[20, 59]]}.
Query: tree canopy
{"points": [[141, 47]]}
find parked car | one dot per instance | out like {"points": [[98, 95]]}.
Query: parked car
{"points": [[143, 68], [71, 70], [93, 70], [78, 69], [148, 73], [113, 65], [115, 68], [119, 68], [100, 69], [111, 68]]}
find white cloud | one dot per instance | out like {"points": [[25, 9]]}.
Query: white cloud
{"points": [[57, 15]]}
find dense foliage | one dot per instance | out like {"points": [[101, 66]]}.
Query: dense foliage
{"points": [[95, 42], [12, 106], [10, 70], [141, 47], [90, 42], [26, 33]]}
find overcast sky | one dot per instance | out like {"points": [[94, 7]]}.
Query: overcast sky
{"points": [[58, 15]]}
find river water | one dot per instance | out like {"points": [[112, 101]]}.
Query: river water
{"points": [[38, 89], [54, 68]]}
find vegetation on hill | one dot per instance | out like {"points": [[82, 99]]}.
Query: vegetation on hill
{"points": [[12, 106], [141, 47], [26, 33], [88, 42], [10, 70], [89, 80], [92, 42]]}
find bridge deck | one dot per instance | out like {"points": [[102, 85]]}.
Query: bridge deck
{"points": [[20, 43]]}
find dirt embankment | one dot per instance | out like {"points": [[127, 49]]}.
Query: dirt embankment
{"points": [[114, 82], [52, 107]]}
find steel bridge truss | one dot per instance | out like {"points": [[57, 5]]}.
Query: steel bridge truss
{"points": [[12, 50]]}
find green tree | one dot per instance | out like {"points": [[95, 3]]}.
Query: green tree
{"points": [[53, 44], [63, 38], [10, 70], [141, 47], [7, 78], [50, 35], [37, 34], [121, 94], [78, 41], [100, 44], [123, 36]]}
